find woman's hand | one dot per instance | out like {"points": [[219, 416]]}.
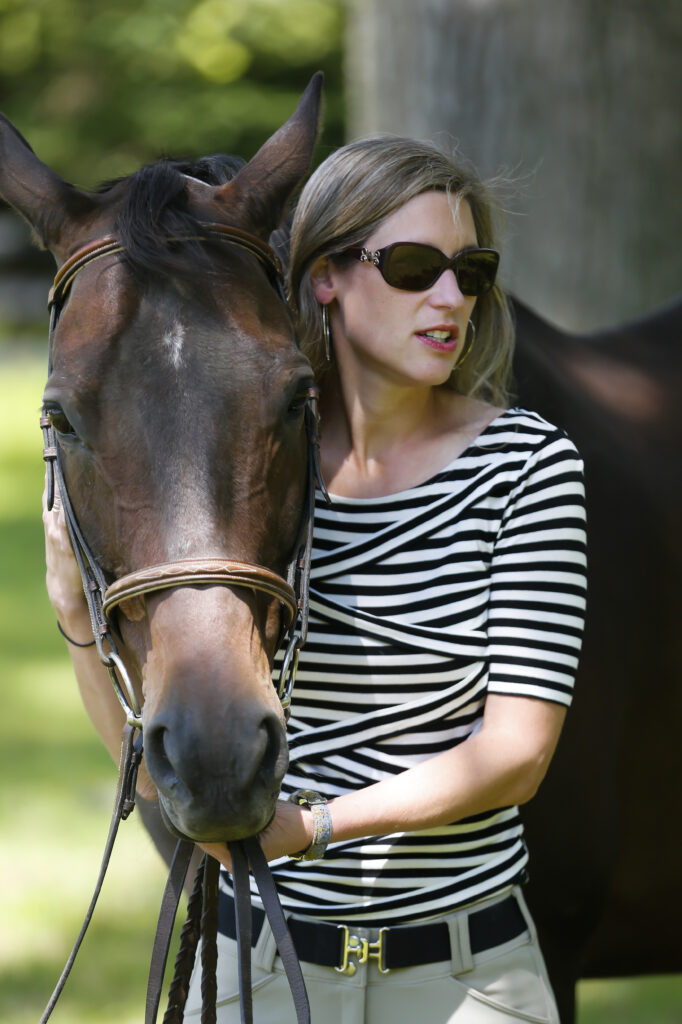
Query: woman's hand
{"points": [[289, 832], [65, 590], [63, 579]]}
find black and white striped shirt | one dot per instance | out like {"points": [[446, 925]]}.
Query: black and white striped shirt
{"points": [[422, 602]]}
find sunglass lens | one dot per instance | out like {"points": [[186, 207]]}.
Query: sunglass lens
{"points": [[415, 267], [476, 271], [411, 267]]}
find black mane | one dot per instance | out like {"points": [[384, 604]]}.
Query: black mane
{"points": [[155, 225]]}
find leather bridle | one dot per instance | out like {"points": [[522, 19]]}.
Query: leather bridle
{"points": [[103, 599]]}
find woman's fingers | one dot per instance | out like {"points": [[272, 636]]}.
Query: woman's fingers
{"points": [[64, 584], [219, 851]]}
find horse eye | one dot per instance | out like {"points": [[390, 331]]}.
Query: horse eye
{"points": [[298, 403], [60, 422]]}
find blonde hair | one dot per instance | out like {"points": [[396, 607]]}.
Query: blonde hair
{"points": [[346, 199]]}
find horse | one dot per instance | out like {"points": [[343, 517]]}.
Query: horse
{"points": [[179, 397], [604, 882]]}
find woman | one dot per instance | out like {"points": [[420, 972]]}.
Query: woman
{"points": [[448, 585], [447, 601]]}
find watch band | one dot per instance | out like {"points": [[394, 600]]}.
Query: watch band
{"points": [[322, 823]]}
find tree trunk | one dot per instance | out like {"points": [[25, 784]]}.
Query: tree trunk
{"points": [[577, 101]]}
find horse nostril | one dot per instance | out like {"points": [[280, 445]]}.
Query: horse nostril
{"points": [[272, 753], [159, 762]]}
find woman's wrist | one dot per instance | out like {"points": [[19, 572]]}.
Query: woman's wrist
{"points": [[73, 620], [74, 643], [319, 822]]}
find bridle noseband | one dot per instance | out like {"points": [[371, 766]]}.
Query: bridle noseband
{"points": [[191, 571], [102, 598]]}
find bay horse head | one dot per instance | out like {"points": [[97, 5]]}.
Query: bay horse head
{"points": [[177, 393]]}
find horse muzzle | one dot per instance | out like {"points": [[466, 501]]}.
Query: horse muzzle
{"points": [[218, 787]]}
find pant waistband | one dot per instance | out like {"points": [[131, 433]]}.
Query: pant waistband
{"points": [[329, 945]]}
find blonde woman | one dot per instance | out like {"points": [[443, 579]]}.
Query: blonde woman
{"points": [[448, 596]]}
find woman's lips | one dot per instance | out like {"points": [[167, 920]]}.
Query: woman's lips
{"points": [[442, 338]]}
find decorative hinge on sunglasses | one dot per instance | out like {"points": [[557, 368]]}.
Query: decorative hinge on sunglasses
{"points": [[367, 256]]}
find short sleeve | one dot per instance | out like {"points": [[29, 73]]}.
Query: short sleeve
{"points": [[538, 578]]}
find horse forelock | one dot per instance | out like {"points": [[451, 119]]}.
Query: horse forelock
{"points": [[160, 233]]}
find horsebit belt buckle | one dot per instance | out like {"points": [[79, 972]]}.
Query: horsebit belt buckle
{"points": [[363, 950]]}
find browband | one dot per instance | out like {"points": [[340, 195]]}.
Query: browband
{"points": [[109, 244]]}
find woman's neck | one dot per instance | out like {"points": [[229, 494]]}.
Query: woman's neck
{"points": [[377, 439]]}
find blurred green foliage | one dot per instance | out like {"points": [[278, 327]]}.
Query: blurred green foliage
{"points": [[56, 780], [99, 90]]}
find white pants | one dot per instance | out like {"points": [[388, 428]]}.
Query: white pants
{"points": [[507, 983]]}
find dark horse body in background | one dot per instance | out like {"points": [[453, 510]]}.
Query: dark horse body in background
{"points": [[605, 831]]}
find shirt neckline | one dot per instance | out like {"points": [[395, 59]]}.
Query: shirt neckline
{"points": [[338, 499]]}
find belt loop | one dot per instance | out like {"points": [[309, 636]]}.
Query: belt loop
{"points": [[460, 945], [517, 892], [264, 952]]}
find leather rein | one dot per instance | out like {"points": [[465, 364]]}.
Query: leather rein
{"points": [[103, 599]]}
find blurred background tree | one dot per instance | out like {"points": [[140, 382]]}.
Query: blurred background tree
{"points": [[98, 90], [577, 101]]}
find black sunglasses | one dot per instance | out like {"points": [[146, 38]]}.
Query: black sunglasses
{"points": [[414, 267]]}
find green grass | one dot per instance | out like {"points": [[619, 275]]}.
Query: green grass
{"points": [[57, 791], [654, 1000], [58, 782]]}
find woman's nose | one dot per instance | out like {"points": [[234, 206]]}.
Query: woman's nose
{"points": [[445, 292]]}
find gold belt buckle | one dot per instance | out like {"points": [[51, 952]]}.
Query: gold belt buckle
{"points": [[363, 950]]}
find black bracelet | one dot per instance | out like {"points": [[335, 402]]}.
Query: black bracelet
{"points": [[73, 642]]}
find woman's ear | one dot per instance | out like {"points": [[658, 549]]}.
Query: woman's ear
{"points": [[322, 281]]}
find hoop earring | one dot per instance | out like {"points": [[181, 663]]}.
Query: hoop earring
{"points": [[468, 344], [326, 334]]}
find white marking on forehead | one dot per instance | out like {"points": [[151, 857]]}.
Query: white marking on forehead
{"points": [[174, 339]]}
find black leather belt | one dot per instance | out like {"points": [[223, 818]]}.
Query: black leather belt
{"points": [[330, 945]]}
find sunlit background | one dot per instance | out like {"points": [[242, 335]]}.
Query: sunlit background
{"points": [[99, 90]]}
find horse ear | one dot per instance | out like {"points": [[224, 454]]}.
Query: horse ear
{"points": [[260, 191], [53, 208]]}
